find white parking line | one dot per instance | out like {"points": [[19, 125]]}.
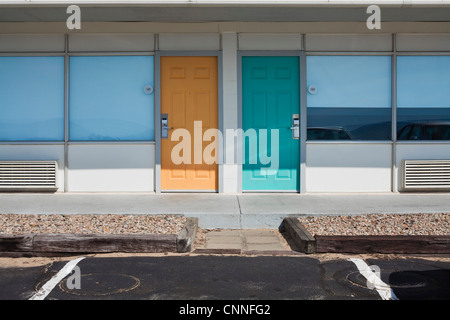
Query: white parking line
{"points": [[383, 289], [49, 285]]}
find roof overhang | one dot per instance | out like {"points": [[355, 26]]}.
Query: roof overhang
{"points": [[225, 10], [215, 3]]}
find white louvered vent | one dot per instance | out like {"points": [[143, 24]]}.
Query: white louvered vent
{"points": [[28, 175], [426, 174]]}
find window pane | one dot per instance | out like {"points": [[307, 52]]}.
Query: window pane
{"points": [[423, 97], [107, 98], [31, 98], [352, 99]]}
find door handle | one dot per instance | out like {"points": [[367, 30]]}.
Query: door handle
{"points": [[295, 126], [165, 126]]}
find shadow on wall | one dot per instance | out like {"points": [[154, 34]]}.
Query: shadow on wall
{"points": [[114, 156]]}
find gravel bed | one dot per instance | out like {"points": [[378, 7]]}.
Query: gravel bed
{"points": [[378, 224], [91, 223]]}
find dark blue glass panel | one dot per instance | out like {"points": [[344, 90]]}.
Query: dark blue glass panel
{"points": [[349, 123]]}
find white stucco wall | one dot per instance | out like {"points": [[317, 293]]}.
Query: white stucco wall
{"points": [[348, 167], [111, 168]]}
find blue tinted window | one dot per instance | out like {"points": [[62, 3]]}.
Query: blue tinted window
{"points": [[31, 98], [108, 100], [423, 98], [352, 100]]}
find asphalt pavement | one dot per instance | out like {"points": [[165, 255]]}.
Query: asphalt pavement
{"points": [[193, 277]]}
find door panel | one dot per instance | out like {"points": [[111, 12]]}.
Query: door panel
{"points": [[270, 98], [189, 94]]}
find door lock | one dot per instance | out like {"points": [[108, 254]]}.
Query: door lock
{"points": [[165, 126], [295, 126]]}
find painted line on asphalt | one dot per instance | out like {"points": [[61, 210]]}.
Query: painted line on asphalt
{"points": [[383, 289], [51, 284]]}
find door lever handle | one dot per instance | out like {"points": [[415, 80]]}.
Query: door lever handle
{"points": [[295, 126], [165, 126]]}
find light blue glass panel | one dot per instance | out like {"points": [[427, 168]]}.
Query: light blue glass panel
{"points": [[423, 82], [31, 98], [423, 98], [108, 99], [349, 81], [352, 100]]}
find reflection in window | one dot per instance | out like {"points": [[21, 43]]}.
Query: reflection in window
{"points": [[425, 131], [423, 98], [108, 99], [328, 134], [32, 98], [352, 100]]}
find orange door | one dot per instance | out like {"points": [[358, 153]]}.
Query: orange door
{"points": [[189, 96]]}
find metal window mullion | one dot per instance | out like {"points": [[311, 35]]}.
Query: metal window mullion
{"points": [[394, 168], [157, 123], [423, 53], [30, 142], [221, 150], [239, 160], [349, 142], [349, 53], [32, 54], [66, 113], [110, 53], [303, 118], [425, 142], [111, 142]]}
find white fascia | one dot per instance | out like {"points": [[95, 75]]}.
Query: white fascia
{"points": [[336, 3]]}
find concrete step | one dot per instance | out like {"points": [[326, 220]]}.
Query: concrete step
{"points": [[238, 241]]}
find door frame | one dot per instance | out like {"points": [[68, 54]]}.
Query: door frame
{"points": [[302, 108], [157, 90]]}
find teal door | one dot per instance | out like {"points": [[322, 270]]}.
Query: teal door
{"points": [[270, 102]]}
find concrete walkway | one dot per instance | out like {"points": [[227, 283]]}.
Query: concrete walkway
{"points": [[241, 241], [246, 211]]}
